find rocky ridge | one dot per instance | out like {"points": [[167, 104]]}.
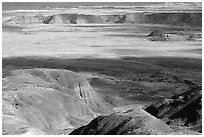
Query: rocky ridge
{"points": [[175, 19]]}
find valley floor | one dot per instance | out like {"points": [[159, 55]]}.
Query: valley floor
{"points": [[120, 62]]}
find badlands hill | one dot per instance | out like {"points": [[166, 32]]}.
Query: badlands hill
{"points": [[114, 63], [134, 121], [175, 18], [181, 114], [50, 101]]}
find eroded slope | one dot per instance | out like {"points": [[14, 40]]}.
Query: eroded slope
{"points": [[49, 100], [176, 19], [184, 109], [129, 122]]}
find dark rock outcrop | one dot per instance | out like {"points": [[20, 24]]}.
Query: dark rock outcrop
{"points": [[181, 110]]}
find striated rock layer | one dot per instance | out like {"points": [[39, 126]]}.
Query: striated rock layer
{"points": [[176, 19], [48, 101]]}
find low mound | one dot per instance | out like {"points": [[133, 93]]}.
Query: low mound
{"points": [[50, 100], [168, 37], [195, 37], [161, 32], [181, 110], [158, 35], [175, 19]]}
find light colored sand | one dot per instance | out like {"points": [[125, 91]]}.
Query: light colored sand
{"points": [[74, 42]]}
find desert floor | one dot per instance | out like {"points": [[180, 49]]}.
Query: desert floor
{"points": [[119, 61]]}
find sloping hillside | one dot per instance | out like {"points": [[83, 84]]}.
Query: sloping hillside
{"points": [[133, 121], [49, 100], [184, 109], [130, 122]]}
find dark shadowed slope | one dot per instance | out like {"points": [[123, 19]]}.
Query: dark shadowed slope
{"points": [[181, 110]]}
